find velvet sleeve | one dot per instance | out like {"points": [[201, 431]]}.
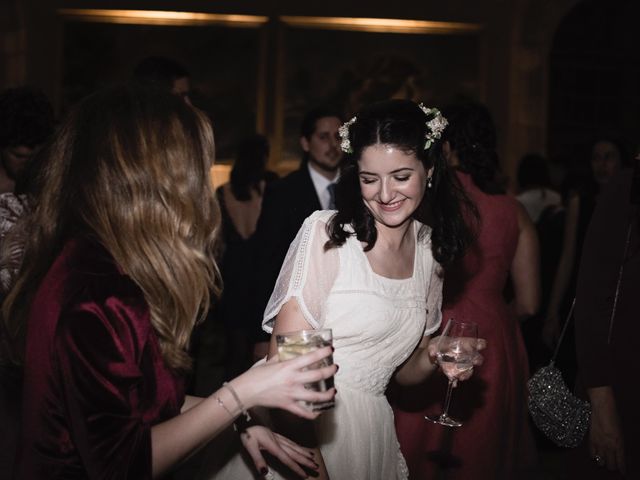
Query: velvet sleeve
{"points": [[99, 348], [598, 274]]}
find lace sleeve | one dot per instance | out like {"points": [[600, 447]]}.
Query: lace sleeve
{"points": [[307, 274], [434, 299]]}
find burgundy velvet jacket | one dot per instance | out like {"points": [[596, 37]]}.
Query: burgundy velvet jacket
{"points": [[94, 379]]}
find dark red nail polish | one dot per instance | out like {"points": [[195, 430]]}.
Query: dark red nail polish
{"points": [[264, 471]]}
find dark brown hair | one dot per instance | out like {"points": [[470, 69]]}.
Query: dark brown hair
{"points": [[403, 124]]}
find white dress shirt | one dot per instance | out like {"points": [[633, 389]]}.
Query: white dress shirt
{"points": [[320, 182]]}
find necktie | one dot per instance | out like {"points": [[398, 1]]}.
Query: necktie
{"points": [[332, 195]]}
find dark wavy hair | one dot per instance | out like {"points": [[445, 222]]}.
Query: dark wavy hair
{"points": [[472, 134], [26, 117], [402, 123], [159, 72], [310, 122], [617, 140], [249, 168], [533, 172]]}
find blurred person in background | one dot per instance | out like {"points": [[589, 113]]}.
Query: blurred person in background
{"points": [[607, 332], [608, 154], [535, 192], [240, 203], [26, 123], [288, 201], [544, 206]]}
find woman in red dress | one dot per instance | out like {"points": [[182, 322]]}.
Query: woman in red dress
{"points": [[494, 441]]}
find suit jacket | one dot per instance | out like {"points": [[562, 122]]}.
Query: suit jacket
{"points": [[286, 204]]}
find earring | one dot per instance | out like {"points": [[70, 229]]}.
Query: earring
{"points": [[429, 183]]}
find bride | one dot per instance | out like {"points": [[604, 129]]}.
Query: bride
{"points": [[372, 272]]}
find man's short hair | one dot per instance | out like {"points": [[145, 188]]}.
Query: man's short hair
{"points": [[308, 125], [160, 72], [26, 117]]}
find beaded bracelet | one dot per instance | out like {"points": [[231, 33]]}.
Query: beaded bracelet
{"points": [[238, 401]]}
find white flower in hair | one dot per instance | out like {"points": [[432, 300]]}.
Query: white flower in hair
{"points": [[343, 131], [435, 126]]}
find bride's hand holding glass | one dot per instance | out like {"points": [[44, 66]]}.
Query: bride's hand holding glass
{"points": [[456, 351], [478, 359]]}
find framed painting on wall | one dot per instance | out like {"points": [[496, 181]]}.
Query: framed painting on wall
{"points": [[347, 62], [224, 55]]}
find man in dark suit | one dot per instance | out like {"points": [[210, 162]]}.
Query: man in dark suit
{"points": [[290, 200]]}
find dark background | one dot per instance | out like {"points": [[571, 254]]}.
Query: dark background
{"points": [[553, 72]]}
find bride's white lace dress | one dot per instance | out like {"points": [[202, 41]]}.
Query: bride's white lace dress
{"points": [[377, 322]]}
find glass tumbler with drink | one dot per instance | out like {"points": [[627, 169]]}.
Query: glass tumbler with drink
{"points": [[456, 351], [293, 344]]}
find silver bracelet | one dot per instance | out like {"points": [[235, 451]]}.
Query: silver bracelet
{"points": [[221, 403], [238, 401]]}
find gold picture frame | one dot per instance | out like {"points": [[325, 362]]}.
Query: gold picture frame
{"points": [[85, 30]]}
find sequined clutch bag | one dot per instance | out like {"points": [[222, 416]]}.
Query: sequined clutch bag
{"points": [[560, 415]]}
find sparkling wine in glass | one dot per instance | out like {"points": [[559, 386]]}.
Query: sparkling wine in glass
{"points": [[457, 348]]}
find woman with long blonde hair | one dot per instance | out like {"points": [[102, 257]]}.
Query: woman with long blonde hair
{"points": [[117, 270]]}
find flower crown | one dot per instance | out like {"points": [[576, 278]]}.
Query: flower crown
{"points": [[435, 126], [343, 131]]}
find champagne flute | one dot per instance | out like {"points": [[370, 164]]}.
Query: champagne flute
{"points": [[457, 348]]}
